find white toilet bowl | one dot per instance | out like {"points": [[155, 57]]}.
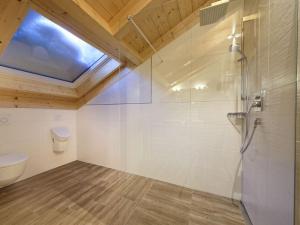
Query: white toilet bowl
{"points": [[12, 167]]}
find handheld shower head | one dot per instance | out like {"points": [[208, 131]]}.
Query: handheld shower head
{"points": [[234, 48], [237, 48]]}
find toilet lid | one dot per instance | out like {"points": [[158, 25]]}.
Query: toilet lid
{"points": [[12, 159]]}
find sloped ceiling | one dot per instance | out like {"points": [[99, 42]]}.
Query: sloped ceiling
{"points": [[102, 23]]}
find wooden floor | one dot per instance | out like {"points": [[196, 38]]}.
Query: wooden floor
{"points": [[84, 194]]}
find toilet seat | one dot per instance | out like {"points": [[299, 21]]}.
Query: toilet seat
{"points": [[12, 159]]}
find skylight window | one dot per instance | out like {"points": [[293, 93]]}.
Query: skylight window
{"points": [[44, 48]]}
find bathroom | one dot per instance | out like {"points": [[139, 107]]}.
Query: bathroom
{"points": [[161, 112]]}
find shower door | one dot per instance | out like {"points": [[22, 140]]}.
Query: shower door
{"points": [[270, 43]]}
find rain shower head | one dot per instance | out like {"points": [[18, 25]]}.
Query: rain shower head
{"points": [[213, 13]]}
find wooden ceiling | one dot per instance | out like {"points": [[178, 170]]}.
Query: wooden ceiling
{"points": [[158, 21], [104, 24], [107, 9]]}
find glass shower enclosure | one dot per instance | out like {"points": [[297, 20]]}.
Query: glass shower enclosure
{"points": [[270, 44]]}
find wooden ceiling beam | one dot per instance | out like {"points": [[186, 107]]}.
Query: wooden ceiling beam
{"points": [[93, 14], [12, 13]]}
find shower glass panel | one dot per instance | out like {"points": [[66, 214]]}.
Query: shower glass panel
{"points": [[297, 191], [166, 119], [270, 44], [131, 86]]}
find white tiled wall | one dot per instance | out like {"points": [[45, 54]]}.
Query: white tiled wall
{"points": [[28, 131], [182, 137]]}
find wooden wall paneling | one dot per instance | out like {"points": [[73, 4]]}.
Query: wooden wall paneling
{"points": [[22, 102], [9, 92], [19, 99], [12, 13], [31, 86]]}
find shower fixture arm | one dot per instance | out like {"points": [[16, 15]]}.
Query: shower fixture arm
{"points": [[130, 18]]}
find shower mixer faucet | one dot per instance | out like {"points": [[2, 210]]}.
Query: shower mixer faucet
{"points": [[257, 103]]}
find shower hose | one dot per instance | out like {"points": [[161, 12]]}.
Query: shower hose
{"points": [[247, 141], [249, 138]]}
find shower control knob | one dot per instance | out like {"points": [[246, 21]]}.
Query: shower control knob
{"points": [[257, 103]]}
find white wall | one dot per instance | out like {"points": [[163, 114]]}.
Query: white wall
{"points": [[182, 137], [28, 131]]}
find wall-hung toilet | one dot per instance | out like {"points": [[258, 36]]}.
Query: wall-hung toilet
{"points": [[12, 167], [60, 139]]}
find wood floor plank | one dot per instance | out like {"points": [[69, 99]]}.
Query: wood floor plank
{"points": [[84, 194]]}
